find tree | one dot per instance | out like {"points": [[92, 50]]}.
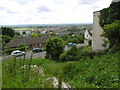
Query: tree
{"points": [[17, 34], [24, 32], [112, 33], [54, 47], [34, 35], [8, 31], [6, 38], [110, 14]]}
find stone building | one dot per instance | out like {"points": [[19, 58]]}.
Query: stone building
{"points": [[97, 40]]}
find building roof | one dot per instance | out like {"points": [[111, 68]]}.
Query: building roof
{"points": [[27, 41], [90, 32]]}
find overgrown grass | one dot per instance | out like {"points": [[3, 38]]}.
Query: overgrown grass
{"points": [[100, 72], [0, 73]]}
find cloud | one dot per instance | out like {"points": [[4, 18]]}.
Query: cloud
{"points": [[23, 2], [11, 12], [43, 9], [49, 11]]}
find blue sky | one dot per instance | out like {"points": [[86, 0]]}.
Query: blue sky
{"points": [[14, 12]]}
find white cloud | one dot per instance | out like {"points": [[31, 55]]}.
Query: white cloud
{"points": [[49, 11]]}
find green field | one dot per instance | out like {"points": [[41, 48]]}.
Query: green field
{"points": [[100, 72]]}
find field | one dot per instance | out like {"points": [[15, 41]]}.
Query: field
{"points": [[23, 28], [100, 72]]}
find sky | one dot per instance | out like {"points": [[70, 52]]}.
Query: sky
{"points": [[15, 12]]}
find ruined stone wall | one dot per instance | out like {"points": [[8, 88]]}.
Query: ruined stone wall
{"points": [[97, 40]]}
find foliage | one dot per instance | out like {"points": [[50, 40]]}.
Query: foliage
{"points": [[71, 37], [9, 51], [54, 47], [90, 42], [34, 35], [8, 31], [6, 38], [110, 14], [96, 73], [70, 55], [24, 32], [112, 33], [54, 34], [17, 34]]}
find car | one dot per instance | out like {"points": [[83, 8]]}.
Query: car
{"points": [[37, 50], [18, 53], [71, 44]]}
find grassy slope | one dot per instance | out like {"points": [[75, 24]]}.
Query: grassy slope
{"points": [[95, 73]]}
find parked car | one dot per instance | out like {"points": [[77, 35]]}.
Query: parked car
{"points": [[71, 44], [18, 53], [37, 50]]}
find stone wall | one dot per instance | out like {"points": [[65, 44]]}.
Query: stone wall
{"points": [[97, 40]]}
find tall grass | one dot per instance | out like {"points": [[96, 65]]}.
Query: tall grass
{"points": [[100, 72]]}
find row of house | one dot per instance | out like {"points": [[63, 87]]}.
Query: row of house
{"points": [[29, 42]]}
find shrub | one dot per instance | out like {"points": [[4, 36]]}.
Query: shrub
{"points": [[8, 51], [54, 47]]}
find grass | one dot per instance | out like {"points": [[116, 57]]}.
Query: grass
{"points": [[0, 74], [100, 72]]}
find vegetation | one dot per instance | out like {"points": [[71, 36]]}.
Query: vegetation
{"points": [[34, 35], [6, 38], [71, 37], [8, 31], [112, 33], [54, 47], [100, 72], [110, 14]]}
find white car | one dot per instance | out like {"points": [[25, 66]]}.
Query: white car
{"points": [[18, 53]]}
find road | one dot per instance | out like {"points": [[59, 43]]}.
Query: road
{"points": [[28, 55], [41, 54]]}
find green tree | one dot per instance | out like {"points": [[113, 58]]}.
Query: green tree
{"points": [[24, 32], [34, 35], [6, 38], [112, 33], [8, 31], [17, 34], [54, 47], [110, 14]]}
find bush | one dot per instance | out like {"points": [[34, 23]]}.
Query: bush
{"points": [[6, 38], [54, 47], [9, 51], [70, 55]]}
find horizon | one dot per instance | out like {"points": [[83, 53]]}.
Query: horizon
{"points": [[43, 24]]}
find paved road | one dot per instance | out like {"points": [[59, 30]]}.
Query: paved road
{"points": [[28, 55], [41, 54]]}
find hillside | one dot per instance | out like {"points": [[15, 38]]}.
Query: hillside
{"points": [[100, 72]]}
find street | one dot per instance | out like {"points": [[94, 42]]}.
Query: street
{"points": [[41, 54]]}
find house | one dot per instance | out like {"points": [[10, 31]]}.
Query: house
{"points": [[87, 36], [29, 42]]}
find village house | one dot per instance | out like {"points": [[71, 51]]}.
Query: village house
{"points": [[29, 42], [87, 36]]}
